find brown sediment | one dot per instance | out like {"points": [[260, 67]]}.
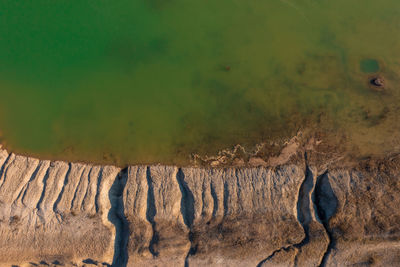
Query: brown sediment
{"points": [[329, 145]]}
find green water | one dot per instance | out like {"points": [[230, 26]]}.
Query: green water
{"points": [[369, 65], [158, 81]]}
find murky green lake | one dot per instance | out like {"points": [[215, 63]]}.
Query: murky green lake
{"points": [[147, 81]]}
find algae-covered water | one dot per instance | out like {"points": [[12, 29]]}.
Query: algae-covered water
{"points": [[158, 81]]}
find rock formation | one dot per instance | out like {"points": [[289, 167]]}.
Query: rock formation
{"points": [[72, 214]]}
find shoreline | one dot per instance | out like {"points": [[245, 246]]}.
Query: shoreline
{"points": [[291, 151]]}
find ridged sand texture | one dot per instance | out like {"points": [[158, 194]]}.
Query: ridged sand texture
{"points": [[72, 214]]}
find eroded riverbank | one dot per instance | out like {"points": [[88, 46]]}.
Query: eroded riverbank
{"points": [[315, 212]]}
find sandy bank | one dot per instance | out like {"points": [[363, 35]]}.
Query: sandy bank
{"points": [[306, 214]]}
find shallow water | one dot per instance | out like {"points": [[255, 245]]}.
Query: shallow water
{"points": [[158, 81]]}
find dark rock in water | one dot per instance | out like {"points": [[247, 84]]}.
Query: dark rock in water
{"points": [[378, 81]]}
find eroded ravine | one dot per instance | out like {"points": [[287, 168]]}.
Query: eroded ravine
{"points": [[151, 213], [187, 209], [304, 216], [116, 215], [325, 205]]}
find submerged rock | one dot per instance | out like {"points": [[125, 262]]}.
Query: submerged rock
{"points": [[378, 81]]}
